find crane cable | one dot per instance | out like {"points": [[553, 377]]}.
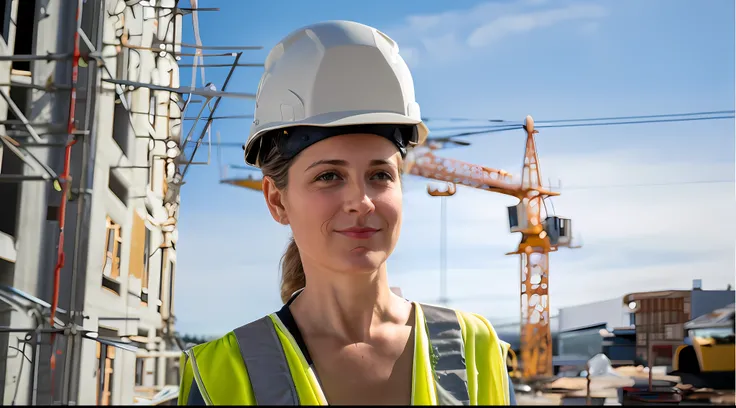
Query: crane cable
{"points": [[634, 185], [663, 184], [664, 115], [592, 123]]}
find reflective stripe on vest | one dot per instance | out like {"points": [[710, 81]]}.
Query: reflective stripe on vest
{"points": [[268, 370], [189, 353], [448, 351], [269, 374]]}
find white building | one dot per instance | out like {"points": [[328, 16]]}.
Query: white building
{"points": [[612, 313], [580, 327], [120, 232]]}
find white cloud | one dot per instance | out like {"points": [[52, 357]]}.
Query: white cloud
{"points": [[410, 56], [455, 34], [507, 25]]}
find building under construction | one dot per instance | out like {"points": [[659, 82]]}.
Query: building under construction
{"points": [[88, 199]]}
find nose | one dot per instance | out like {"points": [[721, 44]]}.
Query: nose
{"points": [[356, 199]]}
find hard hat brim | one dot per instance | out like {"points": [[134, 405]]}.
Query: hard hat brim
{"points": [[336, 119]]}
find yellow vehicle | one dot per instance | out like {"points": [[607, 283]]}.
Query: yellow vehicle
{"points": [[707, 358], [512, 363]]}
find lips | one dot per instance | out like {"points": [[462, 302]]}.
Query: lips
{"points": [[358, 232]]}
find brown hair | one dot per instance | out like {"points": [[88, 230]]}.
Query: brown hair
{"points": [[276, 167]]}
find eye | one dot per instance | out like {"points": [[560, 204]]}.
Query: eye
{"points": [[328, 176], [383, 176]]}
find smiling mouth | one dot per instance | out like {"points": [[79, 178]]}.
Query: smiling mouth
{"points": [[359, 233]]}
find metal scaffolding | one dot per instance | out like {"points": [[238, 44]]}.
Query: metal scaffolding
{"points": [[23, 138]]}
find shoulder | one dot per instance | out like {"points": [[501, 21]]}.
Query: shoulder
{"points": [[484, 329], [477, 323], [215, 369], [216, 350], [225, 342], [475, 327], [210, 360], [469, 322]]}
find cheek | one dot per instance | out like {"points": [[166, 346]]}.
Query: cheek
{"points": [[309, 214], [389, 205]]}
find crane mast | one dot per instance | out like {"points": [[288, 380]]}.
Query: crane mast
{"points": [[536, 243], [534, 248]]}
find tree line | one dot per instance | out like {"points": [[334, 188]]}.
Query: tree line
{"points": [[193, 338]]}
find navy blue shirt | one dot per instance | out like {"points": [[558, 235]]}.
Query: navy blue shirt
{"points": [[195, 397]]}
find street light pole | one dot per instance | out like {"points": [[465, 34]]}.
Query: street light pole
{"points": [[434, 192], [649, 346], [443, 250]]}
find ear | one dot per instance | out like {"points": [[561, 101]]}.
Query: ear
{"points": [[274, 200]]}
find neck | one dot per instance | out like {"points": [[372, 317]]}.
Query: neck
{"points": [[347, 306]]}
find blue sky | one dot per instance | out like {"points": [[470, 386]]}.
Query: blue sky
{"points": [[501, 59]]}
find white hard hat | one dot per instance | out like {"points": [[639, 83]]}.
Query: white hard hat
{"points": [[330, 78]]}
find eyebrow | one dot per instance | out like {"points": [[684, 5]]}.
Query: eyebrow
{"points": [[343, 163]]}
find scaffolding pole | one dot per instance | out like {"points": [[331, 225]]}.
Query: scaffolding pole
{"points": [[255, 65], [16, 178], [71, 127], [28, 57], [46, 88], [212, 112], [16, 149], [17, 112], [159, 46], [203, 92], [218, 47], [224, 117], [219, 54]]}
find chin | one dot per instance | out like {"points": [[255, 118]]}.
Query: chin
{"points": [[362, 261]]}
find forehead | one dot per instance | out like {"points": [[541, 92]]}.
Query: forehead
{"points": [[351, 147]]}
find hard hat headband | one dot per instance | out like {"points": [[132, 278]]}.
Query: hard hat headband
{"points": [[291, 141]]}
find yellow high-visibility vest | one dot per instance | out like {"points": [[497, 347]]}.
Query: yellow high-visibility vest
{"points": [[458, 360]]}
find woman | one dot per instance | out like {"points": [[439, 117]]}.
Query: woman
{"points": [[335, 115]]}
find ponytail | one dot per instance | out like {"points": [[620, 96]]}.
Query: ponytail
{"points": [[292, 271], [276, 166]]}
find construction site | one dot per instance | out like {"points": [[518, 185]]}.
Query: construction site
{"points": [[100, 126]]}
